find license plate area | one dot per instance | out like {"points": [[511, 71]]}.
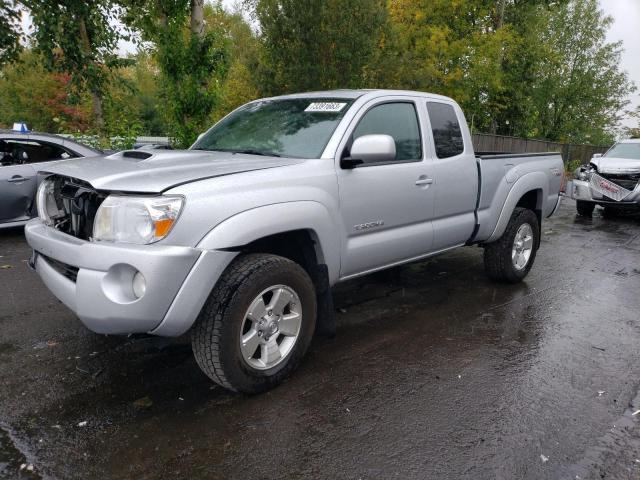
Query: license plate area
{"points": [[608, 188]]}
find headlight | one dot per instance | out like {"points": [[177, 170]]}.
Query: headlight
{"points": [[140, 220], [48, 208], [583, 172]]}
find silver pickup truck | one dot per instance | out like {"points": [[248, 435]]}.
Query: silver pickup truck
{"points": [[240, 238]]}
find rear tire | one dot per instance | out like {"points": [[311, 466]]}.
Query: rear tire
{"points": [[510, 258], [585, 209], [243, 338]]}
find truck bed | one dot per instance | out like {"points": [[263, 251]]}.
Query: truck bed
{"points": [[505, 176]]}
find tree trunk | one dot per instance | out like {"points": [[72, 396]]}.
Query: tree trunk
{"points": [[500, 22], [197, 17], [98, 114], [96, 95]]}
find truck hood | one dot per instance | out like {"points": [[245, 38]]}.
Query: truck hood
{"points": [[616, 165], [157, 171]]}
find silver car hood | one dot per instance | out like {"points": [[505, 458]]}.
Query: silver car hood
{"points": [[616, 165], [162, 170]]}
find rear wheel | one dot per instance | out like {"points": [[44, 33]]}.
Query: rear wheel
{"points": [[585, 209], [510, 258], [257, 323]]}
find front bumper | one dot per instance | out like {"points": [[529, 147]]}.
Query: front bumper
{"points": [[96, 281], [580, 190]]}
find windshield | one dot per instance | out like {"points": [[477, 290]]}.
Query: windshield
{"points": [[625, 150], [299, 128]]}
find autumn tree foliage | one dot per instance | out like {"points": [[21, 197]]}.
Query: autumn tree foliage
{"points": [[56, 109], [79, 38]]}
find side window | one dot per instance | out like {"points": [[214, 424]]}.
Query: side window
{"points": [[5, 154], [30, 151], [447, 136], [398, 120]]}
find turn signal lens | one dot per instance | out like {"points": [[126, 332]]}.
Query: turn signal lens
{"points": [[163, 227]]}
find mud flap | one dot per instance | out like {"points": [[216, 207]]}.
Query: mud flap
{"points": [[326, 318]]}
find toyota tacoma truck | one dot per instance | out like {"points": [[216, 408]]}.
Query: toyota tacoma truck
{"points": [[611, 180], [239, 239]]}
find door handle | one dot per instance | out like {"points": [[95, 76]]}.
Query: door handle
{"points": [[16, 179], [424, 181]]}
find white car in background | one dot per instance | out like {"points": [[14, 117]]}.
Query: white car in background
{"points": [[611, 180]]}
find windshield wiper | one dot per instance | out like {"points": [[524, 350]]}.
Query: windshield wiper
{"points": [[256, 152], [247, 151]]}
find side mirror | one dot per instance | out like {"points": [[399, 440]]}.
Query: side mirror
{"points": [[370, 149], [200, 136], [597, 155]]}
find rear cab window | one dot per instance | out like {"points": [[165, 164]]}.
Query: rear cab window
{"points": [[445, 127]]}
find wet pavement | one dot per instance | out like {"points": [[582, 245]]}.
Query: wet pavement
{"points": [[435, 373]]}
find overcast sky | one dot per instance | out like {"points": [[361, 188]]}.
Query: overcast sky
{"points": [[626, 27]]}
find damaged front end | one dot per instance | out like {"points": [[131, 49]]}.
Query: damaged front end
{"points": [[68, 205], [604, 184]]}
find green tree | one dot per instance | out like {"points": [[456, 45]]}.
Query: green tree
{"points": [[10, 32], [79, 38], [192, 60], [133, 100], [56, 109], [455, 49], [241, 82], [317, 44], [633, 132], [580, 89]]}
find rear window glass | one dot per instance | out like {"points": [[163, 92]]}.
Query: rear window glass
{"points": [[447, 136]]}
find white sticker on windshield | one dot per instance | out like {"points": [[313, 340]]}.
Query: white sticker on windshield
{"points": [[325, 107]]}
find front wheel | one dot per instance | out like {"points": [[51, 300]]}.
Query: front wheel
{"points": [[510, 258], [257, 323]]}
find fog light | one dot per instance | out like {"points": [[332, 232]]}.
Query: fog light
{"points": [[139, 285]]}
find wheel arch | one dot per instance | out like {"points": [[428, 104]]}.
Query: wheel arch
{"points": [[528, 192], [301, 231]]}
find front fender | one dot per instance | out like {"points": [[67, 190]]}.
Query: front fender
{"points": [[250, 225], [526, 183]]}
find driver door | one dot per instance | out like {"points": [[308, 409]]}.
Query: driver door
{"points": [[387, 208]]}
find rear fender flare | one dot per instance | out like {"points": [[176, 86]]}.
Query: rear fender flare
{"points": [[526, 183]]}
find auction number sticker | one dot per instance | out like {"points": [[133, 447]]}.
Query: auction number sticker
{"points": [[325, 107]]}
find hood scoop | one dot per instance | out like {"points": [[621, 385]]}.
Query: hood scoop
{"points": [[136, 154]]}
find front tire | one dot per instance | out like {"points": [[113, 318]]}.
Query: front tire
{"points": [[257, 323], [510, 258], [585, 209]]}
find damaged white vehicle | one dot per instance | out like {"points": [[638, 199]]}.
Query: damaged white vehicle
{"points": [[611, 180]]}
